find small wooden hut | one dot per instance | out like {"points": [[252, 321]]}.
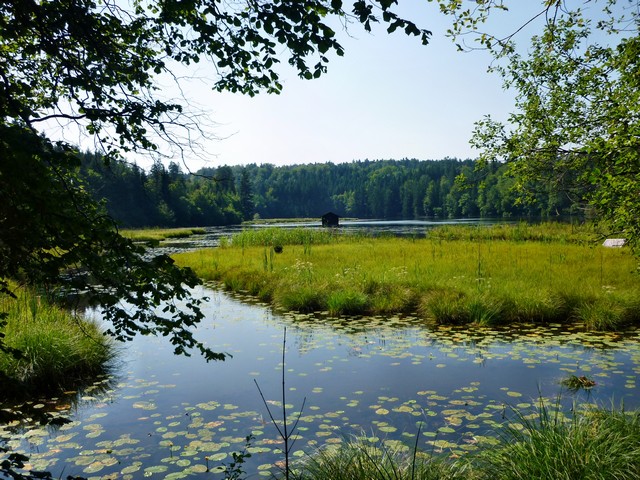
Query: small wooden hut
{"points": [[330, 219]]}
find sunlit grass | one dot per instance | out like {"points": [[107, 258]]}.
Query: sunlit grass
{"points": [[58, 349], [159, 234], [582, 233], [364, 459], [278, 237], [590, 444], [446, 281]]}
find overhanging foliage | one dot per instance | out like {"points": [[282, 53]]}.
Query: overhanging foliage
{"points": [[93, 67]]}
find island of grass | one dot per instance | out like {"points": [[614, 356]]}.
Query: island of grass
{"points": [[549, 272], [153, 236]]}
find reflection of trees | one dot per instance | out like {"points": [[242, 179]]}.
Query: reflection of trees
{"points": [[21, 416]]}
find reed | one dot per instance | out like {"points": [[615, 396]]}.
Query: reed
{"points": [[445, 281]]}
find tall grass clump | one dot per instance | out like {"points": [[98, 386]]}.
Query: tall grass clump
{"points": [[304, 299], [347, 302], [57, 349], [362, 459], [591, 444]]}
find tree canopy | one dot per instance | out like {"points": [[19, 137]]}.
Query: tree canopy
{"points": [[92, 66], [576, 124]]}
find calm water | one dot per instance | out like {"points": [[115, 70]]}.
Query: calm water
{"points": [[170, 417], [391, 227]]}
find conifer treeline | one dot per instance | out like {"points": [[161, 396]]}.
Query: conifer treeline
{"points": [[167, 196]]}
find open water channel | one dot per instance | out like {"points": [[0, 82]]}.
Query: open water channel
{"points": [[163, 416]]}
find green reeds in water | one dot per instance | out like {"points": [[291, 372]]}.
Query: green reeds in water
{"points": [[362, 459], [591, 444], [278, 237], [58, 350]]}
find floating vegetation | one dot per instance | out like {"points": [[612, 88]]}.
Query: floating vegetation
{"points": [[574, 382]]}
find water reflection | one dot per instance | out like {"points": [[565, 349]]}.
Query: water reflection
{"points": [[172, 416]]}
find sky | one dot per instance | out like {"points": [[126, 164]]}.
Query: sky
{"points": [[389, 97]]}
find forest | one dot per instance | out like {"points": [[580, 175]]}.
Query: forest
{"points": [[166, 196]]}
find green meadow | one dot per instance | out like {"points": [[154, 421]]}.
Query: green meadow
{"points": [[456, 275]]}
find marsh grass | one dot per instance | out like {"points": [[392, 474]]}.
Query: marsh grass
{"points": [[549, 232], [159, 234], [58, 349], [591, 444], [363, 459], [445, 281], [278, 237]]}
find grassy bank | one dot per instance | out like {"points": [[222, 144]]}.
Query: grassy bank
{"points": [[159, 234], [594, 444], [502, 275], [58, 350]]}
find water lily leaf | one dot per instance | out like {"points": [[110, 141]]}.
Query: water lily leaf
{"points": [[217, 457], [196, 469], [84, 460], [446, 430], [403, 409], [179, 475], [155, 469], [145, 405], [94, 467]]}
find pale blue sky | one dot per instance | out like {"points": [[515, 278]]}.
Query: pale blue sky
{"points": [[388, 97]]}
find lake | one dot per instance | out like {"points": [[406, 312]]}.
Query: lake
{"points": [[384, 378], [172, 417], [416, 228]]}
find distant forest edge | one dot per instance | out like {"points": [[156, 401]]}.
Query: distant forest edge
{"points": [[407, 189]]}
